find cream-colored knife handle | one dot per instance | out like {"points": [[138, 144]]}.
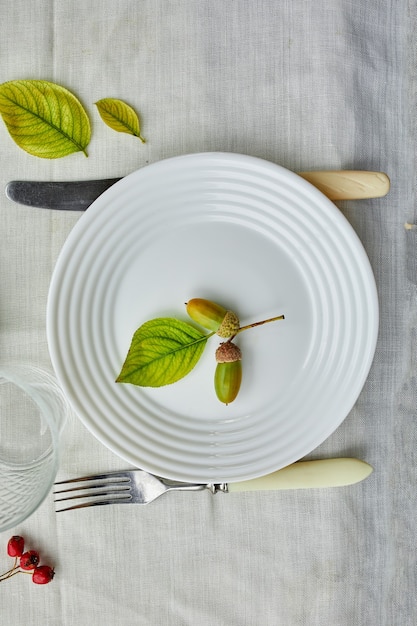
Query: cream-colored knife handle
{"points": [[349, 185], [309, 474]]}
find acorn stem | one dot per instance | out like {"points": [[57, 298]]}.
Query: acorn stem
{"points": [[271, 319]]}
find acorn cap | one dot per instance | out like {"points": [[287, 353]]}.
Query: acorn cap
{"points": [[229, 326], [228, 352]]}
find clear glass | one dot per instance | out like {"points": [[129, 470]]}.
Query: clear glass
{"points": [[33, 412]]}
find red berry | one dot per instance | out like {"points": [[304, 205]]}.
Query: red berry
{"points": [[15, 546], [29, 560], [43, 575]]}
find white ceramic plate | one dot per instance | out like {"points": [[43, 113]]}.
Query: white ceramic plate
{"points": [[254, 237]]}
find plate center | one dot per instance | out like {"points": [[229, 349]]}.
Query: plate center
{"points": [[240, 269]]}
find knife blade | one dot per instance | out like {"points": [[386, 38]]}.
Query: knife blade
{"points": [[65, 195], [78, 195], [336, 472]]}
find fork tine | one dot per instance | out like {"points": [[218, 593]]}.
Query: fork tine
{"points": [[120, 496], [111, 488], [125, 493], [95, 503], [123, 486], [119, 476]]}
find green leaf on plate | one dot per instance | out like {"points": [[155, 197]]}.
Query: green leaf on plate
{"points": [[44, 119], [119, 116], [162, 351]]}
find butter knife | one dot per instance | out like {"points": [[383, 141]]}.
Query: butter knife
{"points": [[78, 195]]}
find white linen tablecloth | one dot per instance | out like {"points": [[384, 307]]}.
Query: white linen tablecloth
{"points": [[308, 85]]}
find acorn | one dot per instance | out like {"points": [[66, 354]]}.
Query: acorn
{"points": [[214, 317], [228, 374]]}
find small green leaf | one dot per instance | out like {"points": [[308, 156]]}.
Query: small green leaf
{"points": [[162, 351], [119, 116], [44, 119]]}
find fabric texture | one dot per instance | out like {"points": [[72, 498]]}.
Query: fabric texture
{"points": [[322, 85]]}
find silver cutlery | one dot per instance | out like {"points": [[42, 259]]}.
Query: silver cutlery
{"points": [[67, 196], [78, 195], [140, 487]]}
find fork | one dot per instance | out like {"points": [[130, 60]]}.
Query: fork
{"points": [[140, 487], [124, 487]]}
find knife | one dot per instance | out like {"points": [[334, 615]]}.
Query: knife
{"points": [[78, 195]]}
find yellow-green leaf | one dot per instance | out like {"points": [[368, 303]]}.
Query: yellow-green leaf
{"points": [[44, 119], [162, 351], [119, 116]]}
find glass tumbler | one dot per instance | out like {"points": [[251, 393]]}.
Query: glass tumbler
{"points": [[33, 412]]}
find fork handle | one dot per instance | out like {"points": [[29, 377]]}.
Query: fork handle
{"points": [[309, 474]]}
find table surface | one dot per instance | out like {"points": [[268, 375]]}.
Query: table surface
{"points": [[307, 85]]}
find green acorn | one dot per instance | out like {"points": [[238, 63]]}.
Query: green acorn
{"points": [[213, 316], [228, 374]]}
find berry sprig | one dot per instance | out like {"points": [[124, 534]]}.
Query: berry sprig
{"points": [[26, 563]]}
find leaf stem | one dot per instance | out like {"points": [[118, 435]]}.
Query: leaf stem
{"points": [[271, 319]]}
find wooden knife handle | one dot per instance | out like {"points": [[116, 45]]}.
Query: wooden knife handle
{"points": [[349, 184]]}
